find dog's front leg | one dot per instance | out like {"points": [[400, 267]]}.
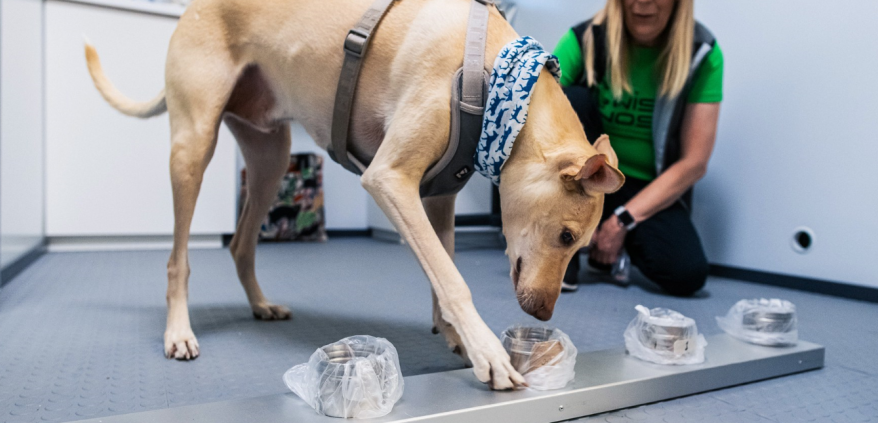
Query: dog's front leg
{"points": [[440, 211], [396, 192]]}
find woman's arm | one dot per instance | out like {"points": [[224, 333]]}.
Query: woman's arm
{"points": [[697, 139], [698, 135]]}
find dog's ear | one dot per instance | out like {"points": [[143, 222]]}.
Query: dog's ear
{"points": [[594, 174], [598, 173], [602, 145]]}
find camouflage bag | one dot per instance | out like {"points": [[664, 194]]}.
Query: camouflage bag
{"points": [[297, 213]]}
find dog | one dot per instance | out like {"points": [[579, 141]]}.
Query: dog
{"points": [[256, 65]]}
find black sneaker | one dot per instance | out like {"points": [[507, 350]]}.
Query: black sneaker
{"points": [[568, 287]]}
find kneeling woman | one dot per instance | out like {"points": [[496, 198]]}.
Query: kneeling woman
{"points": [[645, 73]]}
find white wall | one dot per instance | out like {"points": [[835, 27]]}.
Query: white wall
{"points": [[797, 138], [797, 132], [21, 128], [548, 20]]}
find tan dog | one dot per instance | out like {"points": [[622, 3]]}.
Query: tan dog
{"points": [[257, 64]]}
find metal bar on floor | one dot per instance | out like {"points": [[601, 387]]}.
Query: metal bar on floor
{"points": [[605, 381]]}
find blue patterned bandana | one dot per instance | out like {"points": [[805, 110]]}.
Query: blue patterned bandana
{"points": [[515, 74]]}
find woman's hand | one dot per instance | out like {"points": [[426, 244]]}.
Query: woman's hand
{"points": [[607, 241]]}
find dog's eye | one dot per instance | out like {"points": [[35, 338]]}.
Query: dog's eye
{"points": [[566, 238]]}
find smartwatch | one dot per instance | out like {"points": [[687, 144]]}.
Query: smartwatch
{"points": [[625, 218]]}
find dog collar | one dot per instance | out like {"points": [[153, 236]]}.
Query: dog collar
{"points": [[513, 78]]}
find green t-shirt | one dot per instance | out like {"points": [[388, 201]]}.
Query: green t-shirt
{"points": [[628, 121]]}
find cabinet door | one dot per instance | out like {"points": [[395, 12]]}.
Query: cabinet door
{"points": [[107, 174], [21, 128]]}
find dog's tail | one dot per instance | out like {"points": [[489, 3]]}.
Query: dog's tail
{"points": [[116, 99]]}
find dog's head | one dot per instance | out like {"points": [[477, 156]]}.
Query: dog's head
{"points": [[550, 208]]}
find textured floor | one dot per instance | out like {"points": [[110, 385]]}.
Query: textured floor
{"points": [[81, 333]]}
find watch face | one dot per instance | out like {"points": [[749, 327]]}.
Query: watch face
{"points": [[625, 218]]}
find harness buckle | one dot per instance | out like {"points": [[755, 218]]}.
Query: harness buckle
{"points": [[355, 42]]}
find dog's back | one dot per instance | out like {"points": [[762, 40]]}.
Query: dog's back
{"points": [[297, 46]]}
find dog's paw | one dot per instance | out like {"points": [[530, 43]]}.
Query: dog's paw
{"points": [[181, 344], [271, 312], [492, 366]]}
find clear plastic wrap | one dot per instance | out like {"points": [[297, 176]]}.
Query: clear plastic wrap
{"points": [[544, 356], [761, 321], [357, 377], [664, 336]]}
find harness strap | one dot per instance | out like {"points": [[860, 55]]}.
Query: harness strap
{"points": [[355, 45], [469, 89], [451, 172], [474, 54]]}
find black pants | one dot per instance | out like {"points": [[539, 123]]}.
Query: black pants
{"points": [[665, 248]]}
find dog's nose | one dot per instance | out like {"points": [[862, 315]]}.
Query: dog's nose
{"points": [[543, 313], [540, 307]]}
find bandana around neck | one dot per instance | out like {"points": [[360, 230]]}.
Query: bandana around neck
{"points": [[513, 78]]}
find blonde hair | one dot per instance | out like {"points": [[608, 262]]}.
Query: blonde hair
{"points": [[674, 60]]}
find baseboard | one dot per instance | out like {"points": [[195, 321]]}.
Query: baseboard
{"points": [[348, 233], [479, 237], [165, 242], [59, 244], [386, 235], [13, 269], [470, 237], [819, 286], [477, 220]]}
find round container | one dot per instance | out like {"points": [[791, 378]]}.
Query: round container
{"points": [[764, 321], [673, 339], [668, 332], [332, 372], [769, 322], [530, 347]]}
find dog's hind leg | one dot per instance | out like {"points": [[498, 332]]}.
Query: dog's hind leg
{"points": [[267, 156], [197, 86], [440, 211]]}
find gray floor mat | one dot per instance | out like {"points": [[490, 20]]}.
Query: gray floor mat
{"points": [[82, 332]]}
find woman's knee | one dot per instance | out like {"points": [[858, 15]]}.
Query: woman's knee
{"points": [[681, 278]]}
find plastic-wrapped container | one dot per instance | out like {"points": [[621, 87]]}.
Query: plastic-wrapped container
{"points": [[664, 336], [762, 321], [356, 377], [544, 356]]}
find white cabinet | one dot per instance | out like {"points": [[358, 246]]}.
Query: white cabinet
{"points": [[106, 173], [21, 128]]}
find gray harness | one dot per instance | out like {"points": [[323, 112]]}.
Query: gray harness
{"points": [[468, 93]]}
